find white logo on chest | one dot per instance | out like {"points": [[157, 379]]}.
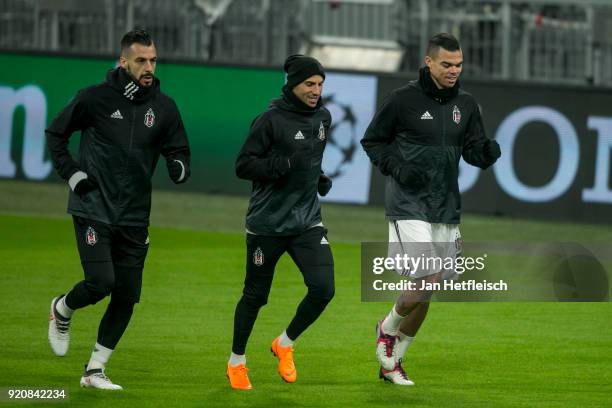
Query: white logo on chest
{"points": [[426, 116], [149, 118]]}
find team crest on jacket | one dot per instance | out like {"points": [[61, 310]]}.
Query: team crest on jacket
{"points": [[91, 236], [456, 114], [321, 131], [149, 120], [258, 257]]}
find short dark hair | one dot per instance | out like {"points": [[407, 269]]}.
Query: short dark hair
{"points": [[442, 40], [137, 36]]}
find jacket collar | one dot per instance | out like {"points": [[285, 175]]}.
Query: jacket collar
{"points": [[289, 102], [441, 95], [123, 82]]}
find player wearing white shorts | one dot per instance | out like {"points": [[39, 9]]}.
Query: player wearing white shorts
{"points": [[420, 239], [416, 139]]}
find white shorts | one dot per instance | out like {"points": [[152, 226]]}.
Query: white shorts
{"points": [[438, 245]]}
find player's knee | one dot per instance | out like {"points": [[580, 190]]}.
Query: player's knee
{"points": [[322, 293], [126, 305], [254, 300], [121, 307], [328, 292], [424, 306], [99, 280], [100, 288]]}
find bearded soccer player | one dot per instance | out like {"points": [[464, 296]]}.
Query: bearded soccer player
{"points": [[126, 123]]}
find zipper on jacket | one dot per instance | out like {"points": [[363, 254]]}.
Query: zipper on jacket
{"points": [[436, 199], [126, 168], [312, 140], [131, 134], [443, 106]]}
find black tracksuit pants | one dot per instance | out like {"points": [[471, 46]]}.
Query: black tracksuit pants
{"points": [[113, 259], [311, 253]]}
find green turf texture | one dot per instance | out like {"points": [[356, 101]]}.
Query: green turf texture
{"points": [[175, 350]]}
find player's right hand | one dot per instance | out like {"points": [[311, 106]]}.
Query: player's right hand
{"points": [[411, 176], [85, 186]]}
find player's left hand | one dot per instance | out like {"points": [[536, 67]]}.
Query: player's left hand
{"points": [[325, 184], [177, 170], [491, 150]]}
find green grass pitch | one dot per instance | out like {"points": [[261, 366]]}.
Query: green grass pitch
{"points": [[175, 350]]}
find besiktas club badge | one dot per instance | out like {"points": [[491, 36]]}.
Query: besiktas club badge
{"points": [[258, 257], [456, 114], [91, 236], [149, 118]]}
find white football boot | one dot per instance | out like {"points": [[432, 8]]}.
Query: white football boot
{"points": [[396, 376], [97, 379], [385, 348], [59, 331]]}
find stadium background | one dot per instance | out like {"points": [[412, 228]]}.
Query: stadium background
{"points": [[220, 60]]}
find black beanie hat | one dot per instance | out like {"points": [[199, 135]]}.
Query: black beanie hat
{"points": [[300, 67]]}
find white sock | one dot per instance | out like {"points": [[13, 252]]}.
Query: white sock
{"points": [[391, 323], [99, 357], [403, 344], [285, 340], [63, 309], [237, 359]]}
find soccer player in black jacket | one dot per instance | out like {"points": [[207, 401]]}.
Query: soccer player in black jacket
{"points": [[282, 157], [126, 122], [416, 139]]}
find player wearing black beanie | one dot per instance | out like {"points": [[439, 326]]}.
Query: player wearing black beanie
{"points": [[300, 67], [282, 157]]}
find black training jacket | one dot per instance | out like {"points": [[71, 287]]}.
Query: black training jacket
{"points": [[284, 201], [124, 128], [432, 133]]}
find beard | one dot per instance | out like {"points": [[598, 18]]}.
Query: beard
{"points": [[149, 77], [140, 78]]}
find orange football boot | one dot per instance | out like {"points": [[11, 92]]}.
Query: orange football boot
{"points": [[286, 367], [239, 379]]}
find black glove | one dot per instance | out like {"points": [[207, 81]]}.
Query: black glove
{"points": [[325, 184], [491, 150], [177, 170], [85, 186], [299, 160], [410, 176]]}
